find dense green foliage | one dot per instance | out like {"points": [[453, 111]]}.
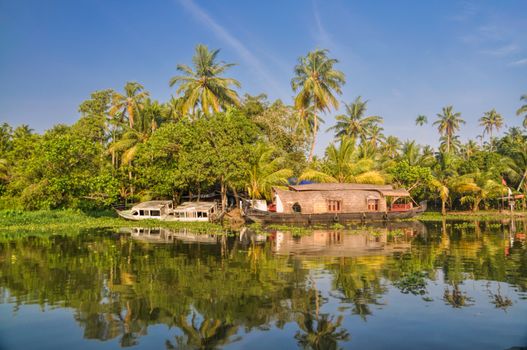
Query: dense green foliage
{"points": [[127, 147]]}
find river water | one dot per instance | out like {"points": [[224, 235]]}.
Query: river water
{"points": [[455, 285]]}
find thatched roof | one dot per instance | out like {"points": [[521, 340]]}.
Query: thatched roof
{"points": [[386, 190], [339, 187]]}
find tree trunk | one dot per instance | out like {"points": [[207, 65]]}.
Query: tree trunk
{"points": [[223, 194], [131, 185], [113, 159], [443, 207], [315, 130], [477, 201], [131, 117], [236, 197]]}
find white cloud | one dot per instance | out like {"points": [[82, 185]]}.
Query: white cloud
{"points": [[223, 34], [502, 51], [521, 62]]}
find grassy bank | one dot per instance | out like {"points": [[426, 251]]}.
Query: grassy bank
{"points": [[62, 221], [470, 215]]}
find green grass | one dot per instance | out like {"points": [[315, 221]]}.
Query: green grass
{"points": [[482, 215], [21, 222]]}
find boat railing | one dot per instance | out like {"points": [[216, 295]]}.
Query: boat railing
{"points": [[401, 206]]}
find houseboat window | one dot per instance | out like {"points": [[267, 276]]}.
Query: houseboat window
{"points": [[373, 204], [135, 212], [155, 213], [334, 205], [297, 208], [142, 212]]}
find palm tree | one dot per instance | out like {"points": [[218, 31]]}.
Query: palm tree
{"points": [[4, 170], [411, 152], [523, 110], [448, 123], [476, 188], [421, 120], [130, 103], [375, 136], [203, 84], [343, 164], [491, 120], [391, 147], [455, 144], [443, 172], [265, 172], [354, 124], [469, 149], [316, 82]]}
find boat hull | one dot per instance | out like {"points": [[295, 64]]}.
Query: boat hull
{"points": [[265, 217], [127, 214]]}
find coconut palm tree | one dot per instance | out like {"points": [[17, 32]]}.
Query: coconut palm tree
{"points": [[316, 81], [4, 170], [375, 136], [469, 149], [443, 172], [453, 146], [448, 123], [477, 187], [421, 120], [130, 103], [353, 123], [490, 121], [391, 147], [343, 164], [523, 110], [203, 84], [265, 172]]}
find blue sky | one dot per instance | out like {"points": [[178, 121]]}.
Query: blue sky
{"points": [[406, 57]]}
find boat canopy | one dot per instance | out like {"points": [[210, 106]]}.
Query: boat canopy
{"points": [[155, 205], [195, 206]]}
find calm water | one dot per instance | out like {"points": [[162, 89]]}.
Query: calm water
{"points": [[444, 285]]}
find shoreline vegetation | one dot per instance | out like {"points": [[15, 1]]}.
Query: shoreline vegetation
{"points": [[127, 147], [70, 221]]}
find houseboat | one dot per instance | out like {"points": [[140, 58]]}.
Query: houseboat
{"points": [[164, 211], [336, 203]]}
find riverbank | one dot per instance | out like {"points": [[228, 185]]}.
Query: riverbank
{"points": [[470, 215], [73, 220], [69, 221]]}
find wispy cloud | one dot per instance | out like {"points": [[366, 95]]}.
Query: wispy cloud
{"points": [[502, 50], [245, 54], [520, 62], [466, 11], [321, 36]]}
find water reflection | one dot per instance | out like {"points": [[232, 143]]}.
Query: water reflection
{"points": [[312, 291], [367, 240]]}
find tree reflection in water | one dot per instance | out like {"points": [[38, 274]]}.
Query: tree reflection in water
{"points": [[119, 287], [456, 298], [211, 334], [320, 332]]}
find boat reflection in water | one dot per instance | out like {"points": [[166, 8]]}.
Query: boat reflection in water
{"points": [[166, 235], [359, 241]]}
